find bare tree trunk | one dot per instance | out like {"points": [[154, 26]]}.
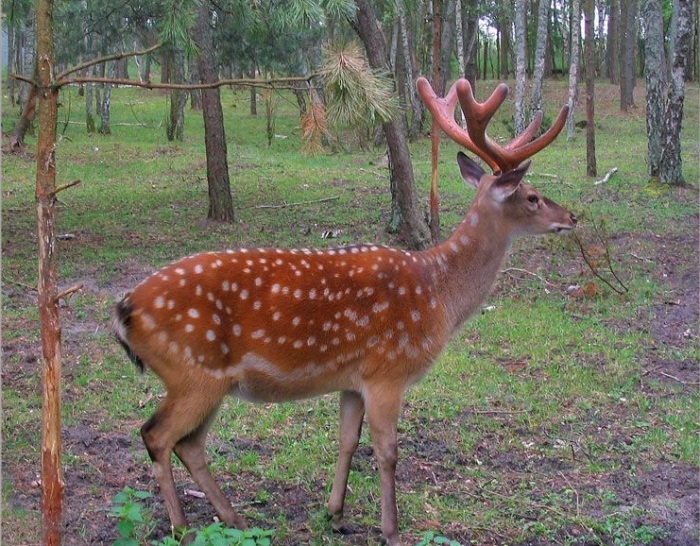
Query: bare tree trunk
{"points": [[627, 53], [411, 91], [11, 56], [520, 68], [106, 105], [175, 129], [51, 473], [25, 120], [470, 25], [220, 201], [447, 41], [402, 181], [670, 167], [540, 54], [591, 168], [573, 68], [613, 49], [655, 82]]}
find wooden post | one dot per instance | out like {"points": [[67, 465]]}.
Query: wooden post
{"points": [[47, 97]]}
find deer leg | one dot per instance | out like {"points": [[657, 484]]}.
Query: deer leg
{"points": [[352, 410], [383, 407], [177, 417], [191, 451]]}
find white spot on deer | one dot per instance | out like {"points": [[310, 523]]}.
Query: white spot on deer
{"points": [[211, 297], [402, 290], [159, 302], [237, 330], [311, 341], [225, 349], [419, 290], [327, 326], [276, 315], [380, 306], [171, 304], [234, 287], [281, 340], [257, 334], [473, 218], [199, 290], [464, 240], [198, 269], [454, 247], [180, 271], [258, 281], [275, 288], [225, 286], [216, 318], [298, 344], [211, 335], [371, 342], [312, 294], [363, 321], [244, 294], [182, 282], [189, 328], [415, 315], [192, 312], [257, 305], [296, 321]]}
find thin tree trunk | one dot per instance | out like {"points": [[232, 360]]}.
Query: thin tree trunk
{"points": [[447, 41], [627, 53], [520, 68], [106, 106], [220, 201], [591, 168], [540, 54], [411, 91], [175, 129], [573, 68], [402, 181], [51, 469], [655, 82], [613, 49], [670, 168]]}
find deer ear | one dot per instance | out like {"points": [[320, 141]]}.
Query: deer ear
{"points": [[470, 169], [507, 184]]}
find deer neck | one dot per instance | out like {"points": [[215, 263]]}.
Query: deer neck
{"points": [[466, 265]]}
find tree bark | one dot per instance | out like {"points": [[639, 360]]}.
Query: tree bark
{"points": [[591, 168], [220, 201], [627, 53], [51, 473], [413, 229], [106, 105], [407, 53], [540, 57], [175, 129], [654, 74], [520, 68], [613, 48], [573, 68], [670, 167]]}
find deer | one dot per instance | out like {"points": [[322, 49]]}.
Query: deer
{"points": [[366, 321]]}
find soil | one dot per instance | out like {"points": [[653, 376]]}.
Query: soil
{"points": [[666, 489]]}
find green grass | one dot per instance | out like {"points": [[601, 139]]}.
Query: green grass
{"points": [[541, 415]]}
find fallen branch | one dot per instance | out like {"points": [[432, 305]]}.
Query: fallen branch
{"points": [[68, 292], [606, 177], [285, 205], [519, 270]]}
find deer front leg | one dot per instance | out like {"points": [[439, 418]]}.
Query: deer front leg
{"points": [[352, 410], [383, 407]]}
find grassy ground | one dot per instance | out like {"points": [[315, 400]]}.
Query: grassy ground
{"points": [[557, 416]]}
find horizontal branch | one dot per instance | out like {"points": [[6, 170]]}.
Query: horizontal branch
{"points": [[249, 82], [106, 58]]}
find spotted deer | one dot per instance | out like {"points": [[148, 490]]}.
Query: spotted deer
{"points": [[367, 321]]}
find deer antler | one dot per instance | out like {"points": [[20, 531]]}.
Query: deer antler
{"points": [[478, 114]]}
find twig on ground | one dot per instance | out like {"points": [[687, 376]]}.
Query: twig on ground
{"points": [[285, 205], [519, 270], [606, 177]]}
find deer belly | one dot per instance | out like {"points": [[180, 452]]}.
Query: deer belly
{"points": [[257, 379]]}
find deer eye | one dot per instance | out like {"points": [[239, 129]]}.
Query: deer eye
{"points": [[533, 198]]}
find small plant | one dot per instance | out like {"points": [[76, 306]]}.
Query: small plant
{"points": [[127, 508], [131, 524], [430, 537]]}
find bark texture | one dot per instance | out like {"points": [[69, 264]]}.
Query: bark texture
{"points": [[591, 167], [413, 229], [220, 201], [573, 68], [655, 82]]}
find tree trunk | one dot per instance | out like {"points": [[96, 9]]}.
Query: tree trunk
{"points": [[11, 56], [591, 168], [540, 55], [413, 228], [411, 91], [670, 167], [51, 469], [175, 129], [613, 49], [655, 82], [627, 53], [520, 68], [106, 106], [25, 120], [220, 201], [447, 41], [573, 68]]}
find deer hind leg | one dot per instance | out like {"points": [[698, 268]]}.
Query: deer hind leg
{"points": [[383, 407], [180, 415], [191, 451], [352, 410]]}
